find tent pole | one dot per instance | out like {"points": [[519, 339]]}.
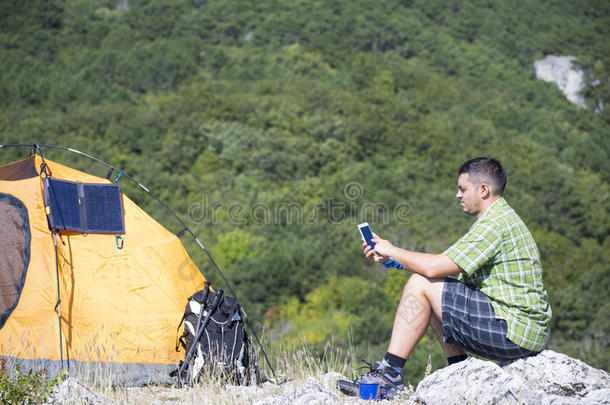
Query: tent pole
{"points": [[58, 305], [243, 311], [259, 343]]}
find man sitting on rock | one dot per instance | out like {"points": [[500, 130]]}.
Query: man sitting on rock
{"points": [[497, 307]]}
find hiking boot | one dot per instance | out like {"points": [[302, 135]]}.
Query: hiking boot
{"points": [[386, 377], [389, 380], [348, 387]]}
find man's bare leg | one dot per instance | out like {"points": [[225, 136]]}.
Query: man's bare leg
{"points": [[450, 350], [420, 303], [420, 306]]}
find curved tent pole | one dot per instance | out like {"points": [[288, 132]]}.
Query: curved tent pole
{"points": [[38, 148]]}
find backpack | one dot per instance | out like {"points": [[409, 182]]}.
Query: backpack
{"points": [[215, 340]]}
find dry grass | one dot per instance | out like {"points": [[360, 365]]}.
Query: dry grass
{"points": [[293, 367], [298, 369]]}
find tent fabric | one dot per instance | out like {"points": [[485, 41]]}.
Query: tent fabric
{"points": [[15, 252], [119, 307], [110, 373], [23, 169]]}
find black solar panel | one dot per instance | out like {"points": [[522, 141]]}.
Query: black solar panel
{"points": [[84, 207], [64, 205], [103, 208]]}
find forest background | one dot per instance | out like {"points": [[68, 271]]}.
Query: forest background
{"points": [[274, 127]]}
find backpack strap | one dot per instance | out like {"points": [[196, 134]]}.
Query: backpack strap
{"points": [[217, 299], [181, 338], [203, 303]]}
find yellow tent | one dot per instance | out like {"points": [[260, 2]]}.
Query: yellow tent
{"points": [[119, 307]]}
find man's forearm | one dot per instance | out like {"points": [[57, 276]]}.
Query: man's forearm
{"points": [[426, 264]]}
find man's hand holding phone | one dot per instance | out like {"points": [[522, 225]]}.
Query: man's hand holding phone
{"points": [[372, 255], [375, 249]]}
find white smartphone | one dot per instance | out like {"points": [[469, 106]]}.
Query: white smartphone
{"points": [[367, 235]]}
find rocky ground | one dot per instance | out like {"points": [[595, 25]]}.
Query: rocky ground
{"points": [[320, 390], [549, 378]]}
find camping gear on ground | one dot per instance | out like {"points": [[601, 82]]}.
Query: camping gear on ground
{"points": [[361, 390], [215, 340], [72, 296]]}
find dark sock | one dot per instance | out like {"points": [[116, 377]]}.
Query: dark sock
{"points": [[396, 362], [456, 359]]}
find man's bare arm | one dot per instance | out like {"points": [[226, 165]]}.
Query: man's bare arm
{"points": [[426, 264]]}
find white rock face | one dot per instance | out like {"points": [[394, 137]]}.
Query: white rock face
{"points": [[549, 378], [559, 70]]}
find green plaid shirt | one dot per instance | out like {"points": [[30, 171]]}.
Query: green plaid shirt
{"points": [[500, 258]]}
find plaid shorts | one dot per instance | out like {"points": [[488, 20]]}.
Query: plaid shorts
{"points": [[470, 323]]}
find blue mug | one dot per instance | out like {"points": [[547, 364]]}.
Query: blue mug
{"points": [[368, 391]]}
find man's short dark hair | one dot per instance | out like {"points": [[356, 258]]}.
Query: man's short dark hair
{"points": [[485, 170]]}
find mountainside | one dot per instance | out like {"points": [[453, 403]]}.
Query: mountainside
{"points": [[274, 127]]}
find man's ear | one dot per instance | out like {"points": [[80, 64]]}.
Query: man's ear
{"points": [[484, 190]]}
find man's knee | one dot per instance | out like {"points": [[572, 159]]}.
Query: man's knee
{"points": [[417, 281], [427, 288], [417, 284]]}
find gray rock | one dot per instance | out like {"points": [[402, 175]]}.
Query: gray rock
{"points": [[476, 381], [558, 374], [70, 391], [559, 70], [549, 378], [123, 5], [313, 391], [598, 397]]}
